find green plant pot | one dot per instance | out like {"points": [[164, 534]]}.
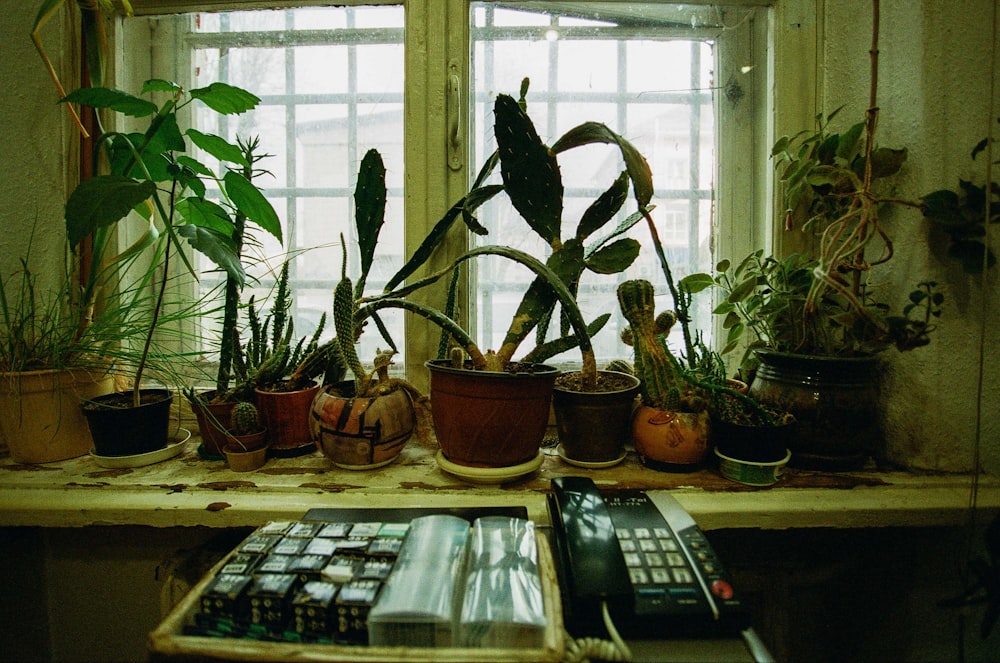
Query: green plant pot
{"points": [[490, 419], [119, 429], [749, 472]]}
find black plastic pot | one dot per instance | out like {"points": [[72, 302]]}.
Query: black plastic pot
{"points": [[119, 429], [594, 426], [757, 444]]}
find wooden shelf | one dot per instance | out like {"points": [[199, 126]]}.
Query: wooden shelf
{"points": [[190, 491]]}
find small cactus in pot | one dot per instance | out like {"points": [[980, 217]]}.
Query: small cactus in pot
{"points": [[246, 419], [247, 432]]}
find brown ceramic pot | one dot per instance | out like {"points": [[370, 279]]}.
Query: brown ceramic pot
{"points": [[670, 441], [286, 415], [361, 433]]}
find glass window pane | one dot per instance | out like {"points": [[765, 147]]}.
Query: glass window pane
{"points": [[652, 84]]}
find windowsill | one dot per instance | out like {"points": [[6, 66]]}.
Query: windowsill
{"points": [[189, 491]]}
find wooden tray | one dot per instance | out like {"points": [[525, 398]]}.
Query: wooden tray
{"points": [[168, 642]]}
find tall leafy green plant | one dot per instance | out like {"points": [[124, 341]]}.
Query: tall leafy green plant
{"points": [[153, 174]]}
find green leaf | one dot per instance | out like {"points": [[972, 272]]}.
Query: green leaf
{"points": [[850, 142], [226, 99], [604, 208], [160, 85], [101, 201], [636, 165], [369, 206], [216, 247], [887, 161], [696, 282], [116, 100], [252, 203], [942, 207], [530, 171], [615, 257], [743, 289], [218, 147], [205, 213]]}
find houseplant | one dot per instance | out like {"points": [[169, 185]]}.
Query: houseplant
{"points": [[531, 179], [51, 357], [365, 422], [246, 446], [213, 408], [671, 427], [816, 323], [150, 174]]}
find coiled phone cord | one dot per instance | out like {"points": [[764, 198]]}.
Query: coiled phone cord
{"points": [[580, 650]]}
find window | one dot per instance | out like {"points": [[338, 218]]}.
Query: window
{"points": [[332, 84]]}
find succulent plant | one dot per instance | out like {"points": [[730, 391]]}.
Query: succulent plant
{"points": [[246, 420]]}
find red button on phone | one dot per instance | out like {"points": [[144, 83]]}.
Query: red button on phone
{"points": [[722, 589]]}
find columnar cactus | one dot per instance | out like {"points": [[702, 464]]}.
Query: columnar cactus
{"points": [[245, 419], [656, 368]]}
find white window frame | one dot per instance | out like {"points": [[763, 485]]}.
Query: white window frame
{"points": [[436, 56]]}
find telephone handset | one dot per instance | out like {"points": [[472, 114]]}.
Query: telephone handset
{"points": [[644, 559]]}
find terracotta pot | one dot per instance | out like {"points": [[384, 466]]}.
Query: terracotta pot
{"points": [[213, 421], [490, 419], [361, 433], [248, 442], [834, 399], [124, 430], [286, 415], [243, 460], [42, 421], [670, 441], [594, 426]]}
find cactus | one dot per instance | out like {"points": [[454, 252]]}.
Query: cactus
{"points": [[246, 421], [621, 366], [660, 375]]}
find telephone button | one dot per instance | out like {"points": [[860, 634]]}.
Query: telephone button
{"points": [[660, 576], [675, 559], [668, 545], [638, 576], [661, 532], [633, 559], [722, 589], [683, 576], [647, 545], [627, 545], [641, 532], [654, 559]]}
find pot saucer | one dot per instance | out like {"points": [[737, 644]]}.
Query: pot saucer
{"points": [[140, 460], [489, 475], [588, 464]]}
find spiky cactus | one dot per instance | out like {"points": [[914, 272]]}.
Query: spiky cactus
{"points": [[659, 374], [621, 366], [246, 420]]}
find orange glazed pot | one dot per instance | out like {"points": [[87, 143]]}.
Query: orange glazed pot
{"points": [[671, 441]]}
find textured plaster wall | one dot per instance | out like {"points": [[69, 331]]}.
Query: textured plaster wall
{"points": [[934, 94], [35, 137], [934, 97]]}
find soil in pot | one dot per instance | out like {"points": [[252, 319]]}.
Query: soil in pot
{"points": [[120, 429], [758, 444], [490, 419], [594, 426]]}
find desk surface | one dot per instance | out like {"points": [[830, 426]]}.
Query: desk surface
{"points": [[187, 491]]}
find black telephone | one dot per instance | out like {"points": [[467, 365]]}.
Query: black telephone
{"points": [[644, 558]]}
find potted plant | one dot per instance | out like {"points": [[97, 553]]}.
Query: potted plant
{"points": [[280, 373], [246, 446], [516, 395], [213, 407], [150, 173], [365, 422], [52, 355], [815, 323], [671, 426]]}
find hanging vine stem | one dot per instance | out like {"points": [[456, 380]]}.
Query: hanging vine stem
{"points": [[844, 241]]}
